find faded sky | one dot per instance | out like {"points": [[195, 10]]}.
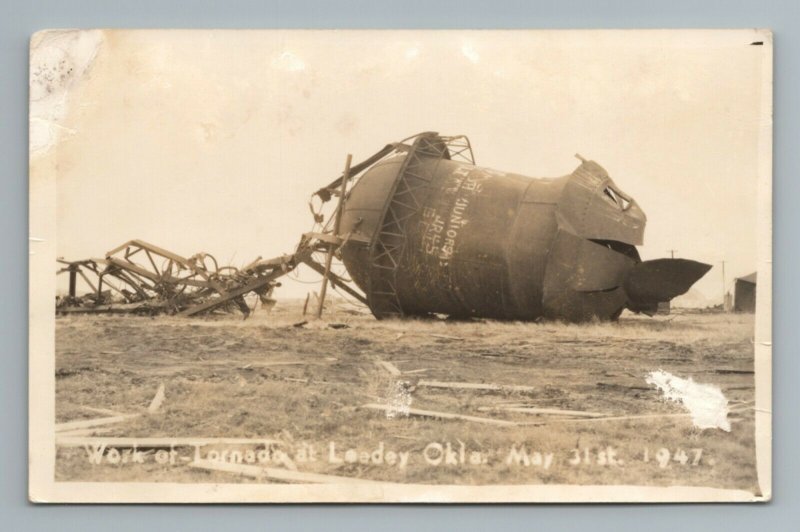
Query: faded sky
{"points": [[214, 140]]}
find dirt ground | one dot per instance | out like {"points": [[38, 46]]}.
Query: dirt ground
{"points": [[306, 388]]}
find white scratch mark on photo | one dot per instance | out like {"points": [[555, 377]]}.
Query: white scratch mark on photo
{"points": [[705, 402]]}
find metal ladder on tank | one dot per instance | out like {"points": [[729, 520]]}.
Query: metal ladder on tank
{"points": [[389, 242]]}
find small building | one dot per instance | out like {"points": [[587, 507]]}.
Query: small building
{"points": [[744, 294], [727, 302]]}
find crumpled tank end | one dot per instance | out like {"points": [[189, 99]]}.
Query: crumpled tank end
{"points": [[655, 281]]}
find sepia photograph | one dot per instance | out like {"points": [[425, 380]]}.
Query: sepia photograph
{"points": [[389, 266]]}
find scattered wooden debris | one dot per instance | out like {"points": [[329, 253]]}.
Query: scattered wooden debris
{"points": [[446, 337], [338, 326], [275, 473], [158, 398], [544, 411], [412, 371], [72, 427], [487, 354], [256, 365], [388, 366], [105, 411], [503, 404], [300, 323], [88, 423], [625, 418], [293, 379], [83, 432], [617, 386], [444, 415], [309, 380], [475, 386]]}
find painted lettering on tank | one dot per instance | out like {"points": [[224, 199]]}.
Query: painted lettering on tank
{"points": [[441, 224], [432, 225]]}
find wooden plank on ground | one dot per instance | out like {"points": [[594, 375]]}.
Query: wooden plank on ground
{"points": [[476, 386], [623, 418], [87, 423], [105, 411], [388, 366], [158, 398], [446, 337], [255, 471], [635, 417], [544, 411], [83, 432], [443, 415]]}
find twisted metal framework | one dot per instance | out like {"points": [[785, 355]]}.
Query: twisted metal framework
{"points": [[389, 241], [162, 281], [167, 282]]}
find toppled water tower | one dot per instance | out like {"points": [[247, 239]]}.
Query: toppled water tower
{"points": [[426, 231]]}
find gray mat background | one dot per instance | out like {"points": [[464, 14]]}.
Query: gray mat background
{"points": [[18, 20]]}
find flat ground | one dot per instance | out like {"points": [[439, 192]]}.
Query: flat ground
{"points": [[307, 386]]}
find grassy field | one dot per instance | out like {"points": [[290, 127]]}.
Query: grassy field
{"points": [[307, 387]]}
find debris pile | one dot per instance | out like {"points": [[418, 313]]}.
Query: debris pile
{"points": [[141, 278], [398, 230], [138, 277]]}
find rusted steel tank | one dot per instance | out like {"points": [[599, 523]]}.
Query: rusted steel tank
{"points": [[428, 234]]}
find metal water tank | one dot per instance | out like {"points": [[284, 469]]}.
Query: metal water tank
{"points": [[426, 233]]}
